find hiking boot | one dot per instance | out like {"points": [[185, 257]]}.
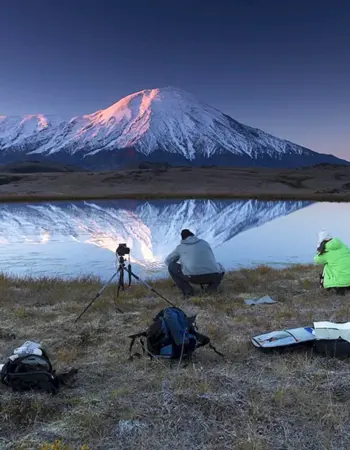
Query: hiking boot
{"points": [[210, 290]]}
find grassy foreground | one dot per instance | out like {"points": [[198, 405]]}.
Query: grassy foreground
{"points": [[249, 401]]}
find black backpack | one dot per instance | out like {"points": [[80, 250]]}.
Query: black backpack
{"points": [[33, 372], [172, 335]]}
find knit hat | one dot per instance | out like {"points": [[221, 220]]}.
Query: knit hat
{"points": [[186, 233], [323, 235]]}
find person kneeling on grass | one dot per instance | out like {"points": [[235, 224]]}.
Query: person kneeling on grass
{"points": [[193, 261], [334, 255]]}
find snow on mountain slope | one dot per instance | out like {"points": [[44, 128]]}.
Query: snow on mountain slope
{"points": [[150, 229], [149, 120], [21, 132], [168, 120]]}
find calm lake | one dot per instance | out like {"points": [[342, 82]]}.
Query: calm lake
{"points": [[79, 238]]}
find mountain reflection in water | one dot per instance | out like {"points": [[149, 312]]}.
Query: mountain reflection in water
{"points": [[72, 238]]}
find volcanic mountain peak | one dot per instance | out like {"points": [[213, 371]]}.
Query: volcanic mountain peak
{"points": [[161, 125]]}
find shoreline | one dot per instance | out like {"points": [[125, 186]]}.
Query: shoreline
{"points": [[334, 198], [92, 278], [327, 184]]}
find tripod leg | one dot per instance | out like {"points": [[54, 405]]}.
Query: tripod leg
{"points": [[118, 309], [121, 280], [120, 285], [115, 302], [150, 288], [97, 295]]}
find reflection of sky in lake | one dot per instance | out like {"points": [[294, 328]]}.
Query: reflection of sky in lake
{"points": [[293, 238], [70, 240]]}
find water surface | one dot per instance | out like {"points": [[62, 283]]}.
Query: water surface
{"points": [[78, 238]]}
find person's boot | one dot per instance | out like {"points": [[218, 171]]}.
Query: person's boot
{"points": [[212, 289], [187, 295]]}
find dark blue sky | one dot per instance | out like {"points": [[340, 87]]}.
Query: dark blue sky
{"points": [[279, 65]]}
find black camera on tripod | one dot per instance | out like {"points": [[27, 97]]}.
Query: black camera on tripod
{"points": [[122, 250]]}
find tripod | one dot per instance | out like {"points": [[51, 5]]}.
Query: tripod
{"points": [[121, 269]]}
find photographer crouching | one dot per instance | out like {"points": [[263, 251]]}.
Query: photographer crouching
{"points": [[193, 261], [334, 255]]}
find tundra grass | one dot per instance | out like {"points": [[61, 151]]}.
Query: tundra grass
{"points": [[245, 401]]}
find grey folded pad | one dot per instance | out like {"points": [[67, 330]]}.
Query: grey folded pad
{"points": [[258, 301]]}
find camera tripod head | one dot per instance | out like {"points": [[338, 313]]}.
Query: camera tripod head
{"points": [[121, 261], [120, 253]]}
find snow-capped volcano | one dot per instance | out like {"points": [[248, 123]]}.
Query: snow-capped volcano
{"points": [[162, 125]]}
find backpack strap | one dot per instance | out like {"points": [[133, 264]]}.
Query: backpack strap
{"points": [[133, 338], [202, 339], [205, 340], [63, 378], [216, 351], [4, 371]]}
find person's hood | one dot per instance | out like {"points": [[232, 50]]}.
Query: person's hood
{"points": [[190, 240], [323, 235], [334, 244]]}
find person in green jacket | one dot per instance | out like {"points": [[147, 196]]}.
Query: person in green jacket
{"points": [[334, 255]]}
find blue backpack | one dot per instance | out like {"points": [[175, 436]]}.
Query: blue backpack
{"points": [[172, 335]]}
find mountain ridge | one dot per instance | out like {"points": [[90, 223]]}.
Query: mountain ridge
{"points": [[157, 125]]}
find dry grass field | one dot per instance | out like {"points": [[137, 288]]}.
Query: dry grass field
{"points": [[247, 401], [323, 182]]}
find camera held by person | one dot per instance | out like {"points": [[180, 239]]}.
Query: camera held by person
{"points": [[334, 255]]}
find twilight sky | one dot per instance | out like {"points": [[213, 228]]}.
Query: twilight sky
{"points": [[279, 65]]}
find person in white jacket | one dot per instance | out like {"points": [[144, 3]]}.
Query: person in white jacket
{"points": [[193, 261]]}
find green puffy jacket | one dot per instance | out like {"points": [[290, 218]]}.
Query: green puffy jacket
{"points": [[336, 260]]}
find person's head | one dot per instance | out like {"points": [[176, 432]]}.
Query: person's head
{"points": [[185, 234], [324, 236]]}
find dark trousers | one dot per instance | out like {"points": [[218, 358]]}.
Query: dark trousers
{"points": [[183, 281], [336, 290]]}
